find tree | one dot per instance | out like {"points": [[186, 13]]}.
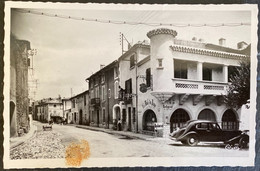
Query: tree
{"points": [[239, 88]]}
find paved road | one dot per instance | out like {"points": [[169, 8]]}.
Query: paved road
{"points": [[107, 145]]}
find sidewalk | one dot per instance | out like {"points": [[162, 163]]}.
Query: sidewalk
{"points": [[16, 141], [122, 133]]}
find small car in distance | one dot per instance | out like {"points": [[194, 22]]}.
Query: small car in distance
{"points": [[196, 131]]}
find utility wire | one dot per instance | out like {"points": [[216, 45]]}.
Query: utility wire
{"points": [[132, 23]]}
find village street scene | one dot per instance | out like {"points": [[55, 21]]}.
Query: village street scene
{"points": [[144, 83]]}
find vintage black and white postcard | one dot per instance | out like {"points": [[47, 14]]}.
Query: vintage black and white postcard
{"points": [[100, 85]]}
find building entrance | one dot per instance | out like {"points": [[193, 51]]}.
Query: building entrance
{"points": [[229, 120], [178, 119], [80, 117], [149, 119], [207, 114]]}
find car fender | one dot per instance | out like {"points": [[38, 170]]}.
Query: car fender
{"points": [[237, 138], [184, 137]]}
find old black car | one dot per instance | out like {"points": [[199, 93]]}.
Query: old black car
{"points": [[196, 131]]}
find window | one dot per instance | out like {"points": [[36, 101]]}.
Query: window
{"points": [[97, 95], [92, 94], [207, 72], [148, 77], [73, 103], [132, 61], [104, 115], [160, 65], [54, 105], [102, 78], [103, 92], [229, 121], [207, 114], [91, 82], [202, 126], [116, 87], [128, 86], [85, 100], [116, 72], [180, 69]]}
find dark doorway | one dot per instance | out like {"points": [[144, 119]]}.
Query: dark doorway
{"points": [[98, 118], [149, 119], [178, 119], [229, 120], [129, 119], [80, 117], [207, 114], [123, 118]]}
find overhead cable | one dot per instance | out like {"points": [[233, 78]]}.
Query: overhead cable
{"points": [[132, 23]]}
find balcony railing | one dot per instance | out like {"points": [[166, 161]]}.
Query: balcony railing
{"points": [[95, 101], [126, 97], [199, 87]]}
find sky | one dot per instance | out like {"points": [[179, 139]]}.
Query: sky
{"points": [[69, 51]]}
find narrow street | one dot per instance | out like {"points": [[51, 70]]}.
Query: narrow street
{"points": [[107, 145]]}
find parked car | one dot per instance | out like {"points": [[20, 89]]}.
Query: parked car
{"points": [[196, 131]]}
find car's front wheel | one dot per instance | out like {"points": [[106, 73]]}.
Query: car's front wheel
{"points": [[192, 140]]}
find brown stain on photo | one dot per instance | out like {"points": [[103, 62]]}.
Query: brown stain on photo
{"points": [[77, 152]]}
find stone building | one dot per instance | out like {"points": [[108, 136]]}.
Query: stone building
{"points": [[50, 109], [19, 101], [103, 89], [79, 113]]}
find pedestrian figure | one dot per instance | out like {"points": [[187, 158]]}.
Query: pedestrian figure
{"points": [[119, 125]]}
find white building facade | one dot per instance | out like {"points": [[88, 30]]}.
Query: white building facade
{"points": [[173, 81]]}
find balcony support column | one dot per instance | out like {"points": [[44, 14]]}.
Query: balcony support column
{"points": [[173, 68], [199, 71], [225, 73]]}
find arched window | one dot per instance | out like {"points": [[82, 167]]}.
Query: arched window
{"points": [[149, 119], [207, 114], [178, 119], [229, 120]]}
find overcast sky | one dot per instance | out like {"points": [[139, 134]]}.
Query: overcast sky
{"points": [[69, 51]]}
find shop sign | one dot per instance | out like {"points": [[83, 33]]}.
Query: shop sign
{"points": [[168, 105], [148, 102], [143, 88]]}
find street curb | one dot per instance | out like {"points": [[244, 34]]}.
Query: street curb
{"points": [[110, 132], [18, 143]]}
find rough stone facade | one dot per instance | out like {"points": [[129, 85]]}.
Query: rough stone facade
{"points": [[19, 101]]}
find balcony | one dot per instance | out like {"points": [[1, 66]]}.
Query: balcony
{"points": [[95, 101], [182, 86], [127, 98]]}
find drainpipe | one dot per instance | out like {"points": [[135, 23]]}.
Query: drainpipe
{"points": [[136, 89]]}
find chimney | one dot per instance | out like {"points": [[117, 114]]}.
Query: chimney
{"points": [[241, 45], [222, 42], [201, 40], [194, 39], [102, 66]]}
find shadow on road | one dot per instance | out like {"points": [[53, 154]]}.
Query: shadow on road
{"points": [[201, 145]]}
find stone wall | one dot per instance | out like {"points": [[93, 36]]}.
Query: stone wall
{"points": [[19, 84]]}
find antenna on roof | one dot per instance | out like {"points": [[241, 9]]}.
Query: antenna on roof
{"points": [[122, 39]]}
